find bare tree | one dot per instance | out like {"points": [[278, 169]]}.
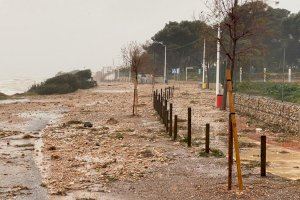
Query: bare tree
{"points": [[134, 56]]}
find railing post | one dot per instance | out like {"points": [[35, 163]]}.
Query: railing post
{"points": [[207, 129], [263, 156], [189, 138]]}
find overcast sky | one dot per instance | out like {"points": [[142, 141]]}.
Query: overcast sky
{"points": [[42, 37]]}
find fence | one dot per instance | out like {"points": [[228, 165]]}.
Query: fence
{"points": [[160, 104]]}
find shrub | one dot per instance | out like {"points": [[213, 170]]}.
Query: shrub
{"points": [[3, 96], [65, 83]]}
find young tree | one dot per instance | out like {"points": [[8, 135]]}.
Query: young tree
{"points": [[134, 56], [242, 23]]}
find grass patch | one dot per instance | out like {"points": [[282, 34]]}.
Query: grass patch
{"points": [[119, 136], [184, 139], [247, 145], [291, 91], [213, 153]]}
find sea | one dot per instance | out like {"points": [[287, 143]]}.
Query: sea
{"points": [[18, 84]]}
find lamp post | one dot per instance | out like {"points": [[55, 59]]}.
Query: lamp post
{"points": [[165, 65], [204, 67], [218, 63]]}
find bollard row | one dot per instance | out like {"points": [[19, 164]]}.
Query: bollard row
{"points": [[160, 104]]}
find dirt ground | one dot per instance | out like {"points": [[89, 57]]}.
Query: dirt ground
{"points": [[123, 156]]}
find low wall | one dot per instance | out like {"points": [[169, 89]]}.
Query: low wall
{"points": [[282, 115]]}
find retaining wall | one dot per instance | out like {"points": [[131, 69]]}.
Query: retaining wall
{"points": [[283, 115]]}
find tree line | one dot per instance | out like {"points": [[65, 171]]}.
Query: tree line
{"points": [[267, 32]]}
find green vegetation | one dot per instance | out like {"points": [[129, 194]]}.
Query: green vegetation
{"points": [[119, 136], [65, 83], [3, 96], [277, 29], [213, 152], [184, 139], [291, 92]]}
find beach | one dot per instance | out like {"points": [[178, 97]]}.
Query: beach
{"points": [[87, 145]]}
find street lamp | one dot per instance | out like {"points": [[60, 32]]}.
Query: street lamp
{"points": [[165, 66]]}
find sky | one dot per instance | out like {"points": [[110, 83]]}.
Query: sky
{"points": [[39, 38]]}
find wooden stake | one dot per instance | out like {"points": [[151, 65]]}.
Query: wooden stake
{"points": [[175, 128], [263, 160], [230, 153], [171, 120], [189, 136], [207, 129], [234, 128]]}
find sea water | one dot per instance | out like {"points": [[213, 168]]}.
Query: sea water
{"points": [[18, 84]]}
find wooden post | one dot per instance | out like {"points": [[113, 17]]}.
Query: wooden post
{"points": [[166, 93], [173, 91], [234, 128], [171, 120], [157, 102], [263, 155], [159, 105], [164, 112], [166, 108], [154, 98], [230, 153], [167, 120], [207, 129], [175, 128], [189, 136]]}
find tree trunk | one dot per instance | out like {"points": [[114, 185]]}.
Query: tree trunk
{"points": [[232, 60]]}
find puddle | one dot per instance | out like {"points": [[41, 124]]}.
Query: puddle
{"points": [[11, 101], [34, 121], [281, 161]]}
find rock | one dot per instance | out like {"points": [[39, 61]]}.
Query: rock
{"points": [[52, 148], [27, 136], [112, 121], [88, 125], [147, 153], [55, 157]]}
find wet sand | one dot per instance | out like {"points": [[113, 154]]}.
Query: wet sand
{"points": [[125, 157]]}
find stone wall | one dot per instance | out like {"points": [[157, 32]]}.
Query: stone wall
{"points": [[282, 115]]}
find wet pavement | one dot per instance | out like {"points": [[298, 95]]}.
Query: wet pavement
{"points": [[281, 161], [20, 156]]}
